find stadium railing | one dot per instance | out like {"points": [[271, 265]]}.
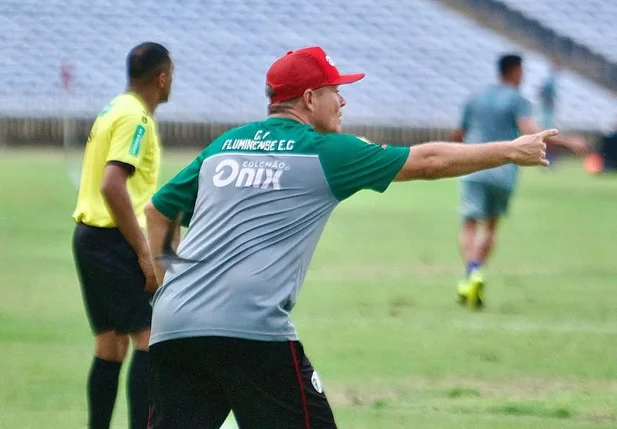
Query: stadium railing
{"points": [[49, 132]]}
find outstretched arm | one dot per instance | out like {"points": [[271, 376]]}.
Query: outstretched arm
{"points": [[440, 160]]}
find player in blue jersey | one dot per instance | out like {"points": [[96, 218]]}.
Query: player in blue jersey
{"points": [[498, 113]]}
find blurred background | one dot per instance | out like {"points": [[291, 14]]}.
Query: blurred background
{"points": [[378, 315], [423, 59]]}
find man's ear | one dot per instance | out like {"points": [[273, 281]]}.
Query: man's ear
{"points": [[309, 99], [163, 76]]}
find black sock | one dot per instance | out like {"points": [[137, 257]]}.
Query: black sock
{"points": [[137, 390], [102, 391]]}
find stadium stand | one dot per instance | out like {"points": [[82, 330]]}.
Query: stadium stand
{"points": [[422, 60], [590, 22]]}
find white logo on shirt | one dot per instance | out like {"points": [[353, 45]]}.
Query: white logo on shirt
{"points": [[251, 174], [316, 382]]}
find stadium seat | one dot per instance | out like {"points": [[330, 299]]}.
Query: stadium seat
{"points": [[422, 60], [591, 23]]}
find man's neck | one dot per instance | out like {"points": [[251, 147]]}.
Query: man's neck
{"points": [[509, 83], [294, 116], [147, 98]]}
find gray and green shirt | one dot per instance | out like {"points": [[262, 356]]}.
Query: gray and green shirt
{"points": [[256, 201]]}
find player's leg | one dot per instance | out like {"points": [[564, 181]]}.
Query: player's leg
{"points": [[483, 247], [498, 203], [467, 242], [132, 315], [137, 380], [110, 347], [473, 210], [117, 302], [273, 385], [474, 207], [474, 290], [486, 240], [183, 392], [110, 351]]}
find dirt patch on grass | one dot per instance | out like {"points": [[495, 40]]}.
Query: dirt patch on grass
{"points": [[514, 388], [429, 391], [528, 387]]}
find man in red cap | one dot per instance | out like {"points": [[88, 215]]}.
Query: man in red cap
{"points": [[255, 202], [308, 68]]}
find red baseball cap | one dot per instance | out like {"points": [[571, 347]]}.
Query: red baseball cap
{"points": [[306, 68]]}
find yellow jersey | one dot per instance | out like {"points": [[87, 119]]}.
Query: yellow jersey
{"points": [[124, 132]]}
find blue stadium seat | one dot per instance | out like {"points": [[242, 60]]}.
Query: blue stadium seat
{"points": [[590, 22], [422, 61]]}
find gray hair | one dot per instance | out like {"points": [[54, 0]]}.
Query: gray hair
{"points": [[284, 107]]}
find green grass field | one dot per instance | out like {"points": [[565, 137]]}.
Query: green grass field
{"points": [[377, 314]]}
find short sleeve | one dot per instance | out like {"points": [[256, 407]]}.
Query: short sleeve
{"points": [[522, 107], [180, 193], [128, 135], [466, 118], [351, 164]]}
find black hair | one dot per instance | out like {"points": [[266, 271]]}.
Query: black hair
{"points": [[145, 60], [509, 62]]}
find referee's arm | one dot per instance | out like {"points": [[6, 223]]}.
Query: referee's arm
{"points": [[113, 189]]}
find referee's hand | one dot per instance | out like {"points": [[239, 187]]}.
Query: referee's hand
{"points": [[147, 267]]}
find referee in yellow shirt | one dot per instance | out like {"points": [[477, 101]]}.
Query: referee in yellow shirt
{"points": [[115, 268]]}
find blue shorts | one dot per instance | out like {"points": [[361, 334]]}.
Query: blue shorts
{"points": [[481, 201]]}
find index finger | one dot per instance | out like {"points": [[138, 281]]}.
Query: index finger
{"points": [[548, 133]]}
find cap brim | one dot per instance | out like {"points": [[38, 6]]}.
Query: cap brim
{"points": [[348, 78]]}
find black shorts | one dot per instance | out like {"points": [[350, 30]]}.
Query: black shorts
{"points": [[196, 382], [112, 283]]}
